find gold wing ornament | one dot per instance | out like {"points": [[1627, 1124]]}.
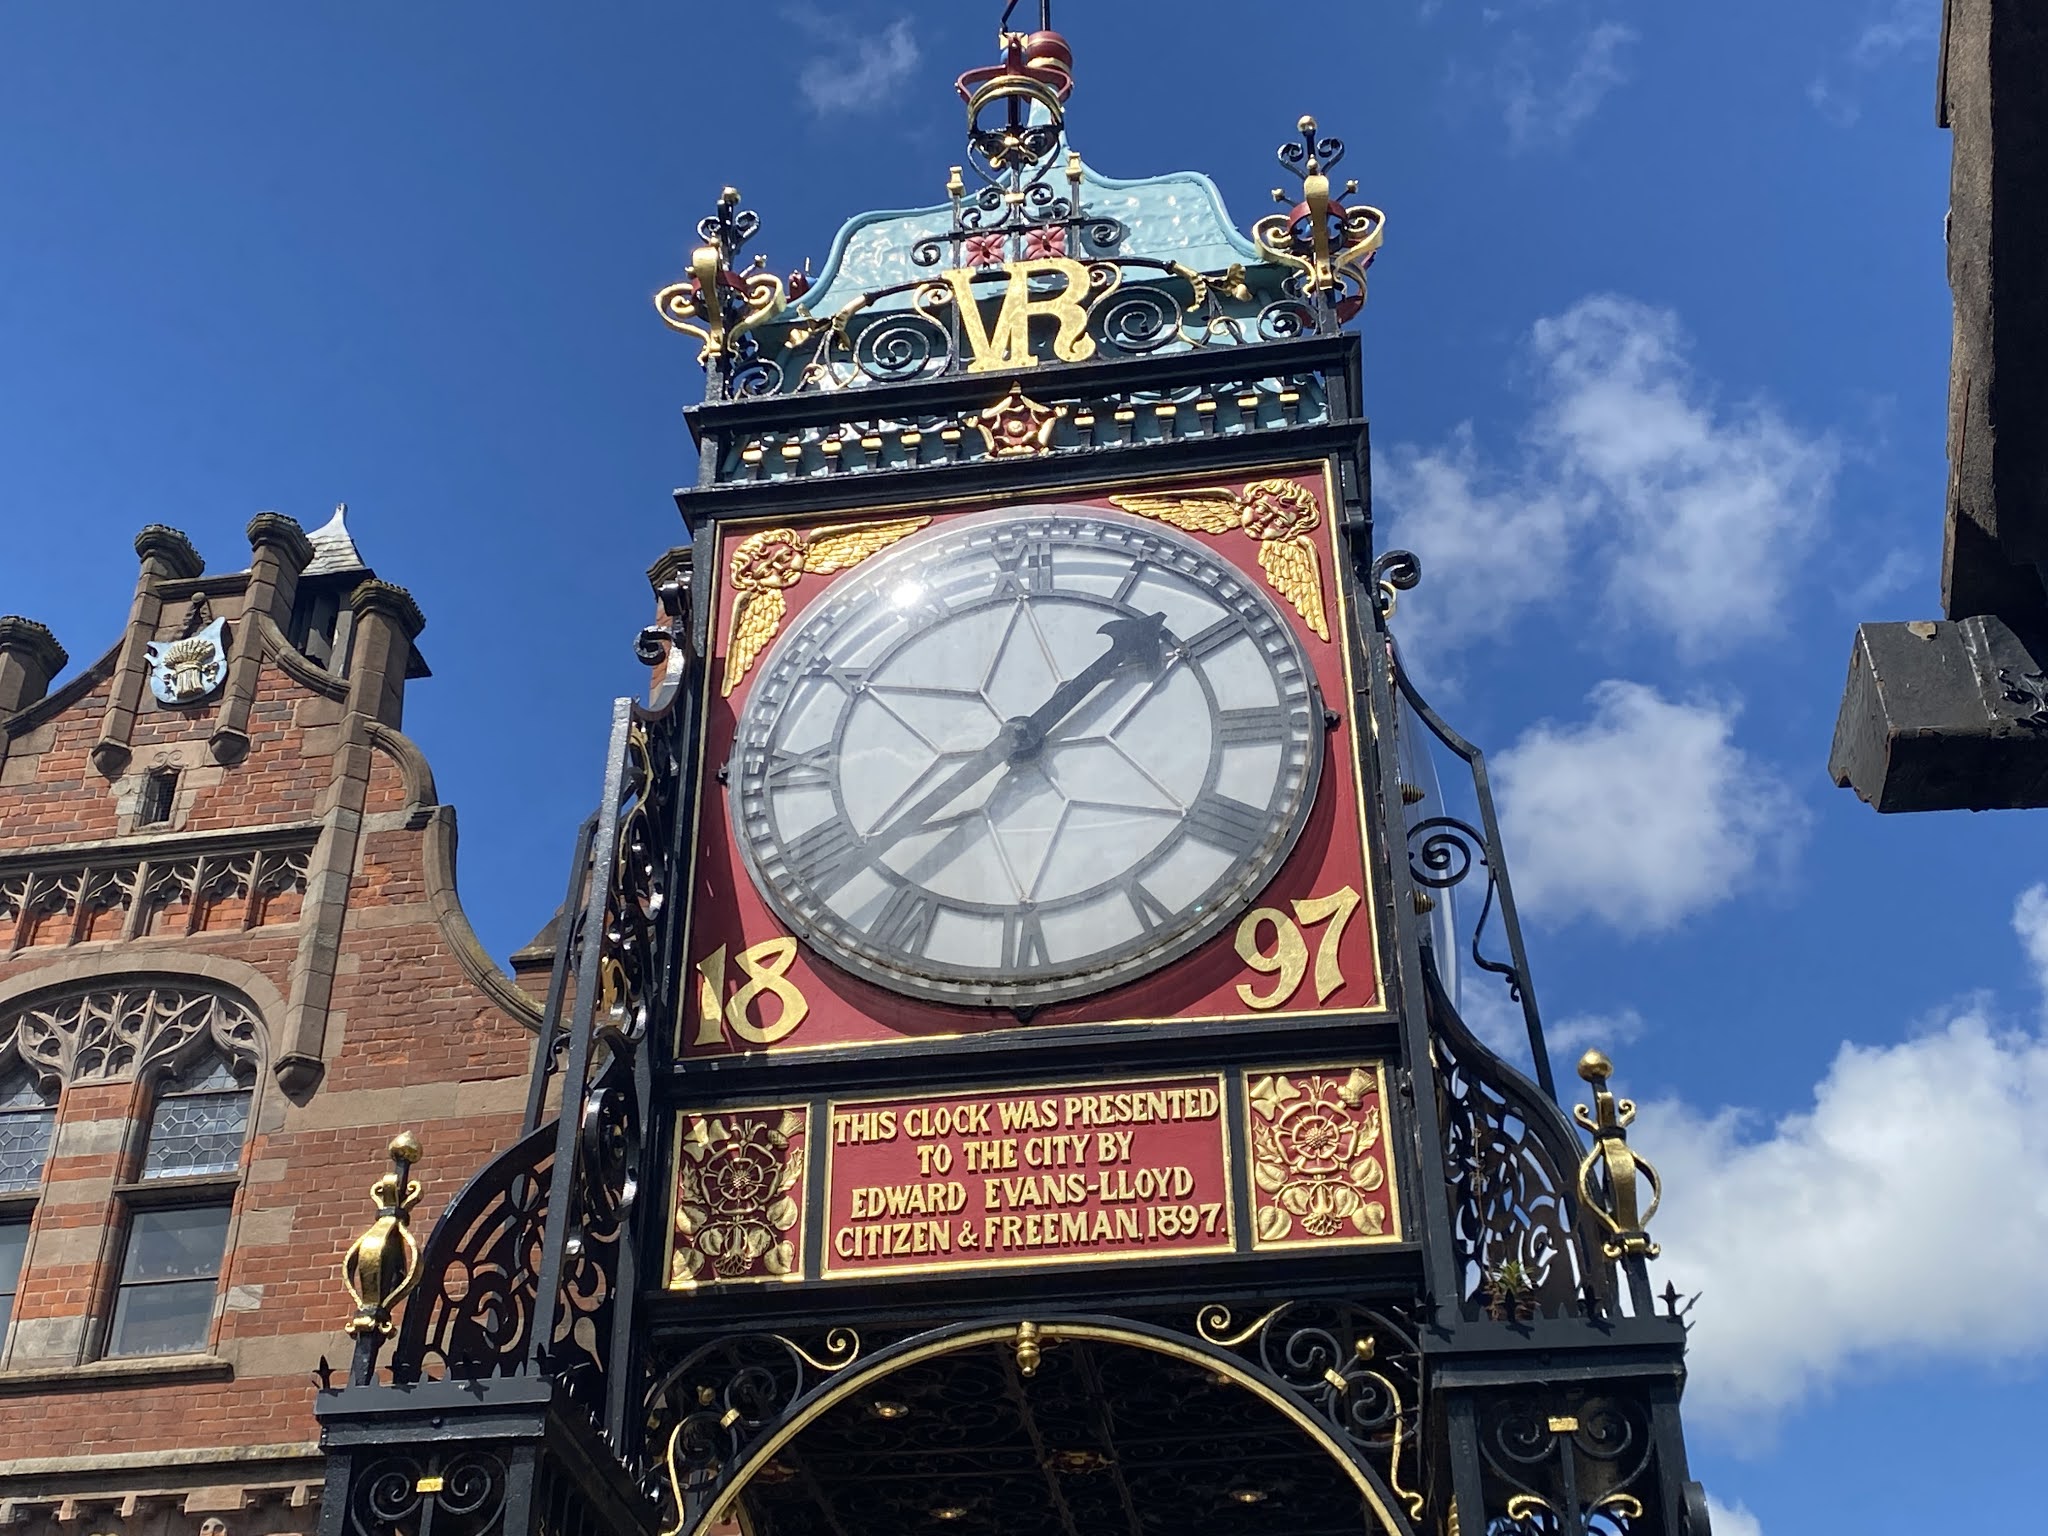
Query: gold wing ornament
{"points": [[756, 619], [1278, 513], [767, 564], [1198, 511], [843, 545], [1297, 575]]}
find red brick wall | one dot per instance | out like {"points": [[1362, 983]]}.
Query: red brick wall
{"points": [[410, 1042]]}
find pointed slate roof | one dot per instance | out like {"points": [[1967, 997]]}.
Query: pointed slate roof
{"points": [[334, 552]]}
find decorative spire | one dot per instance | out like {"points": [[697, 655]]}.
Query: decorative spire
{"points": [[334, 551], [1015, 269], [382, 1266], [1037, 71], [719, 304], [1328, 244]]}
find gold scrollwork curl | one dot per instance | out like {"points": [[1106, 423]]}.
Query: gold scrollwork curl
{"points": [[842, 1348], [1212, 1323]]}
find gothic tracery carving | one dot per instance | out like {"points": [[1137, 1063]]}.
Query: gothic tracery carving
{"points": [[111, 1034]]}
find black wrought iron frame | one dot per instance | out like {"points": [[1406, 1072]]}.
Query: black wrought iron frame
{"points": [[541, 1341]]}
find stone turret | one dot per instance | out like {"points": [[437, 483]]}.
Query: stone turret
{"points": [[29, 657]]}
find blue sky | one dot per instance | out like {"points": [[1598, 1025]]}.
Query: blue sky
{"points": [[1656, 359]]}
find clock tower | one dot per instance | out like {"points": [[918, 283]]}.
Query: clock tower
{"points": [[1004, 1069]]}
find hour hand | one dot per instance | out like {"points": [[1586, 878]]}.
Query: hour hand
{"points": [[955, 784]]}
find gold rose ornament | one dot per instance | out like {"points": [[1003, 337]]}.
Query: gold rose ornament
{"points": [[738, 1196], [1318, 1161]]}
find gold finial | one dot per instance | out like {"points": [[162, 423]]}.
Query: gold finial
{"points": [[1328, 244], [382, 1266], [1608, 1120], [1029, 1352]]}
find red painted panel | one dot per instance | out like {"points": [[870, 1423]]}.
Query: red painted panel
{"points": [[735, 939], [1028, 1177]]}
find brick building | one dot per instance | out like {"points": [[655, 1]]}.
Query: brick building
{"points": [[232, 966]]}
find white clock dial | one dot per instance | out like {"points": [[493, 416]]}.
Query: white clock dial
{"points": [[1026, 756]]}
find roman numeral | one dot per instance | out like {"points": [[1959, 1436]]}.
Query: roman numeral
{"points": [[1024, 569], [1152, 912], [1024, 941], [800, 770], [1130, 582], [906, 920], [1252, 727], [1215, 637], [826, 857], [1225, 823]]}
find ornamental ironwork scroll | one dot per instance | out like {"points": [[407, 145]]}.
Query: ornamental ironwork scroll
{"points": [[533, 1267], [1565, 1464], [1443, 851], [1025, 271], [718, 1401], [1510, 1156], [1357, 1369], [406, 1494], [476, 1319]]}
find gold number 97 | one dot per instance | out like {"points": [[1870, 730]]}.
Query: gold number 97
{"points": [[1288, 959]]}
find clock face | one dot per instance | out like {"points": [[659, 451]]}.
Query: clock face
{"points": [[1025, 756]]}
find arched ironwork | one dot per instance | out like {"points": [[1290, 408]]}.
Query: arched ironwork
{"points": [[1322, 1380]]}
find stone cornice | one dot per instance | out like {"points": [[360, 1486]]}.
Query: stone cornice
{"points": [[383, 597], [276, 528], [172, 547], [33, 640]]}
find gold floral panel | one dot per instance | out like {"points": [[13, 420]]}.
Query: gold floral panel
{"points": [[739, 1196], [1322, 1172]]}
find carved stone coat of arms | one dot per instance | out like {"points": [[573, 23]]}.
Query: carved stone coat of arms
{"points": [[186, 671]]}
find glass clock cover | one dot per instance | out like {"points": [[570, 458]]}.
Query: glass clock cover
{"points": [[1025, 756]]}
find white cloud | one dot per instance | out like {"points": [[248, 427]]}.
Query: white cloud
{"points": [[2030, 922], [1736, 1521], [856, 72], [1642, 815], [1543, 105], [1866, 1231], [1490, 545], [1592, 1032], [1896, 572], [1695, 514], [1493, 1015], [1906, 26], [1711, 507], [1496, 1018], [1887, 32]]}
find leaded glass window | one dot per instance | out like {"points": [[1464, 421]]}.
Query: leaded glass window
{"points": [[13, 1245], [27, 1116], [198, 1123], [168, 1280]]}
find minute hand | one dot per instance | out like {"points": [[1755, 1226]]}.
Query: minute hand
{"points": [[1135, 642], [1132, 642]]}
